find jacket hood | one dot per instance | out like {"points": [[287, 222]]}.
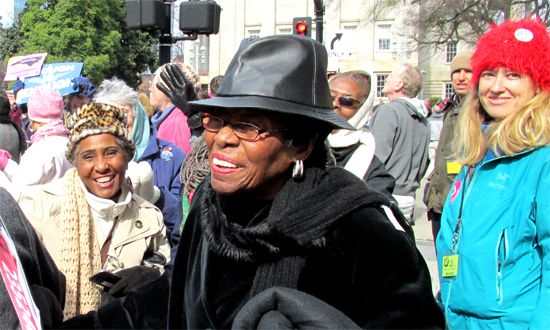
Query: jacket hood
{"points": [[419, 106]]}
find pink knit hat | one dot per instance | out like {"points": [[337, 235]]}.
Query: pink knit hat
{"points": [[45, 105]]}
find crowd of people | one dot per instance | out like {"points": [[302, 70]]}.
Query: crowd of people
{"points": [[285, 199]]}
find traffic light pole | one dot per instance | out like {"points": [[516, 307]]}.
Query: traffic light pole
{"points": [[155, 16], [319, 13], [165, 37]]}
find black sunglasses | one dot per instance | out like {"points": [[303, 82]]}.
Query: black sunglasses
{"points": [[347, 101]]}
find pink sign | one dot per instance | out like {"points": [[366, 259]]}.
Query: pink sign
{"points": [[16, 284], [24, 66]]}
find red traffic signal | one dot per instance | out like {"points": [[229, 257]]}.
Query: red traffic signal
{"points": [[301, 26]]}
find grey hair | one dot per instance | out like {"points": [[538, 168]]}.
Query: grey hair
{"points": [[412, 79], [116, 92], [362, 79]]}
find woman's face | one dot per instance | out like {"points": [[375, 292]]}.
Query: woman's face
{"points": [[131, 116], [101, 164], [157, 98], [254, 168], [503, 92], [346, 97]]}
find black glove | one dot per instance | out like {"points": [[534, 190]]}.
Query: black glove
{"points": [[285, 308], [177, 87], [131, 278]]}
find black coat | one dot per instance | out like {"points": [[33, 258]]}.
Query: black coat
{"points": [[365, 267], [377, 177], [46, 282], [369, 270]]}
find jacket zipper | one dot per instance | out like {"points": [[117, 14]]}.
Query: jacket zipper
{"points": [[501, 254]]}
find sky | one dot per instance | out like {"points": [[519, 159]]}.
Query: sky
{"points": [[6, 11]]}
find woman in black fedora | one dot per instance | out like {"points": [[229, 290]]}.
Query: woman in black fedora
{"points": [[271, 214]]}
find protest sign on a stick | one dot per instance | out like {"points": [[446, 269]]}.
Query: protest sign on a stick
{"points": [[24, 66]]}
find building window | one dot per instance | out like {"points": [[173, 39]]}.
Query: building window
{"points": [[448, 90], [350, 27], [451, 51], [380, 83], [284, 30], [253, 32], [384, 44], [383, 32]]}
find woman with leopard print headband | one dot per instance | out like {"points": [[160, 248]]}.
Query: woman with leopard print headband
{"points": [[90, 220]]}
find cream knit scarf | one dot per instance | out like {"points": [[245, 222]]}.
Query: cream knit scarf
{"points": [[80, 257]]}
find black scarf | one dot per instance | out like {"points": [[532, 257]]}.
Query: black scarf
{"points": [[298, 219]]}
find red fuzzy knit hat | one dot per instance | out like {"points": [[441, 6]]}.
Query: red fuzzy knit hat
{"points": [[522, 46]]}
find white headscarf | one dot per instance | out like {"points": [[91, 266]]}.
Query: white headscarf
{"points": [[362, 157]]}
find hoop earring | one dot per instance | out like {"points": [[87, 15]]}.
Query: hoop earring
{"points": [[298, 170]]}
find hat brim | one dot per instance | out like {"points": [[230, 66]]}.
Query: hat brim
{"points": [[327, 116]]}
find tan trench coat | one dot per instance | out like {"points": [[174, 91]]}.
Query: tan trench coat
{"points": [[139, 228]]}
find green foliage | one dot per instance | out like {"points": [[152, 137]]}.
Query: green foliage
{"points": [[90, 31], [11, 40]]}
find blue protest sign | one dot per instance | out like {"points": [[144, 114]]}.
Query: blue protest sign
{"points": [[57, 76]]}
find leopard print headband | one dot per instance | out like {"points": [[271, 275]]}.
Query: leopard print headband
{"points": [[98, 118]]}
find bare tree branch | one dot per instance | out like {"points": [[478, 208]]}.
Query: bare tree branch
{"points": [[439, 21]]}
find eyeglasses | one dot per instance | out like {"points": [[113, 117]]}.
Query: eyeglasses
{"points": [[347, 101], [245, 131]]}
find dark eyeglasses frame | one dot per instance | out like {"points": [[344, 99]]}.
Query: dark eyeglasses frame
{"points": [[242, 130], [347, 101]]}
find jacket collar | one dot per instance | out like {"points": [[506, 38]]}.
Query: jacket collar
{"points": [[133, 225], [153, 147]]}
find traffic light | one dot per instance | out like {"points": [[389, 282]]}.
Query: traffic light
{"points": [[301, 26], [147, 15], [201, 17]]}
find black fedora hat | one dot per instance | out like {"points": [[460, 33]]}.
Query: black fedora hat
{"points": [[283, 73]]}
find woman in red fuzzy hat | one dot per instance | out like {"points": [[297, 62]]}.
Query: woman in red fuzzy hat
{"points": [[494, 245]]}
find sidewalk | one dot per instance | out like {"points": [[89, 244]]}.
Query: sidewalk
{"points": [[423, 234]]}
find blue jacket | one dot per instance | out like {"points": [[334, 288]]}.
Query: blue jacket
{"points": [[503, 278], [165, 159]]}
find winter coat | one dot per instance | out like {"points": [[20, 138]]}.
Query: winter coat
{"points": [[376, 177], [43, 162], [47, 284], [360, 261], [441, 179], [503, 248], [402, 136], [172, 126], [165, 159], [139, 228]]}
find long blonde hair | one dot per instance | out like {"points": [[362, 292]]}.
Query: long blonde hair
{"points": [[525, 129]]}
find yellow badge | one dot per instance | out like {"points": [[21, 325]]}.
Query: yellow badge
{"points": [[450, 266], [453, 167]]}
